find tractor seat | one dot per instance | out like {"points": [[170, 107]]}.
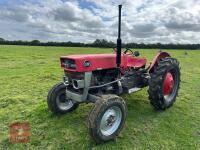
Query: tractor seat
{"points": [[136, 62]]}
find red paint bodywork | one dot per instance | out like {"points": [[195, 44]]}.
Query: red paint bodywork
{"points": [[168, 84], [102, 61], [159, 56]]}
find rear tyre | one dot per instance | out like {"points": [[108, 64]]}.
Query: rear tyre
{"points": [[164, 84], [106, 119], [57, 101]]}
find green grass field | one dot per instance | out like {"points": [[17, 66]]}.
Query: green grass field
{"points": [[27, 73]]}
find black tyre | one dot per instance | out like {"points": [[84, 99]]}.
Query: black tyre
{"points": [[107, 117], [57, 102], [164, 83]]}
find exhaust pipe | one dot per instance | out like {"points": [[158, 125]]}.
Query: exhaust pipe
{"points": [[119, 41]]}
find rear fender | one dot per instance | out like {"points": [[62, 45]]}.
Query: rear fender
{"points": [[156, 59]]}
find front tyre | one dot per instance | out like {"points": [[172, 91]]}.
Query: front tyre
{"points": [[164, 83], [57, 101], [107, 117]]}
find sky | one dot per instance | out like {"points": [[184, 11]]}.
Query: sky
{"points": [[143, 21]]}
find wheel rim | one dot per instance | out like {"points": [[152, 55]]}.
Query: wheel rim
{"points": [[170, 86], [62, 102], [111, 120]]}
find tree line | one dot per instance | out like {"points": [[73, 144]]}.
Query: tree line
{"points": [[102, 43]]}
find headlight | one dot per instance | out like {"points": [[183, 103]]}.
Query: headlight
{"points": [[69, 64]]}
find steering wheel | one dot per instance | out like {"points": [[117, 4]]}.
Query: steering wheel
{"points": [[128, 50]]}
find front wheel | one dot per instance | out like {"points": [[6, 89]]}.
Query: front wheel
{"points": [[107, 117], [57, 101]]}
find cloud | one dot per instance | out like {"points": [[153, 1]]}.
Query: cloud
{"points": [[143, 30], [15, 14], [147, 21], [182, 20], [183, 27], [70, 12]]}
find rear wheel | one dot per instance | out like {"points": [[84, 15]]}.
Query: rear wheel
{"points": [[107, 117], [164, 83], [57, 101]]}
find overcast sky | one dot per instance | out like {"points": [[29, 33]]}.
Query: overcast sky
{"points": [[148, 21]]}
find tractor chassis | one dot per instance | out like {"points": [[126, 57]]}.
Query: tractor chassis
{"points": [[85, 84]]}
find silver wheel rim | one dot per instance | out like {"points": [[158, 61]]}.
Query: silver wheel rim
{"points": [[110, 120], [63, 103]]}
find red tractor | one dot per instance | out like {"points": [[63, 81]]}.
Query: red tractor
{"points": [[102, 78]]}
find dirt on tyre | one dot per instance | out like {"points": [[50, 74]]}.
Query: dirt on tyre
{"points": [[106, 119], [57, 101], [164, 83]]}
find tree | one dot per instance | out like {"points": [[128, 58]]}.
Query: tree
{"points": [[1, 39], [35, 42], [103, 43], [97, 43]]}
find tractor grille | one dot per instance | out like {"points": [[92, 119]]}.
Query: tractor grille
{"points": [[74, 76]]}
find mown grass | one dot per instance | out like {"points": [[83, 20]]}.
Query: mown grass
{"points": [[27, 73]]}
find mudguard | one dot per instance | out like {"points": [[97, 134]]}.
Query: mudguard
{"points": [[159, 56]]}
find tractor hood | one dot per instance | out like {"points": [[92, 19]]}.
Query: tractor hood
{"points": [[92, 62], [89, 62]]}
